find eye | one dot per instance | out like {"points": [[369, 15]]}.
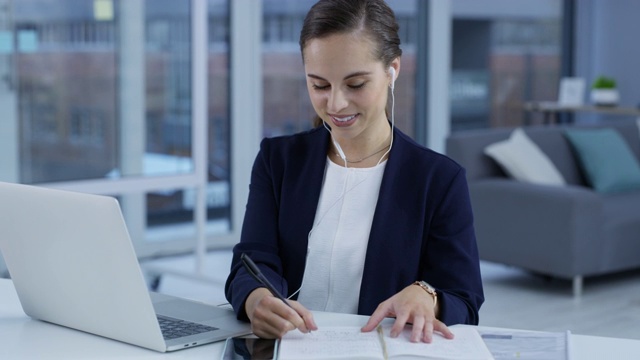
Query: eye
{"points": [[320, 87], [357, 86]]}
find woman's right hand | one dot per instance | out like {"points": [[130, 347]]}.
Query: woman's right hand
{"points": [[271, 318]]}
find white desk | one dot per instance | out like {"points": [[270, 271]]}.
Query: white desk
{"points": [[24, 338]]}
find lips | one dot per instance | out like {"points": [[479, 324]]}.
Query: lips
{"points": [[342, 121]]}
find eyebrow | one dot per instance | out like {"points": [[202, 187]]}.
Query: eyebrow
{"points": [[355, 74]]}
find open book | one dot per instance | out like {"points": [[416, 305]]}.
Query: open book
{"points": [[348, 342]]}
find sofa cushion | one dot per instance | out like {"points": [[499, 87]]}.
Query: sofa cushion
{"points": [[552, 141], [467, 148], [523, 160], [606, 159]]}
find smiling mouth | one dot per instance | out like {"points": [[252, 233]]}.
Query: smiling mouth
{"points": [[344, 119]]}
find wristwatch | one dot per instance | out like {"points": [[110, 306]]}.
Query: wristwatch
{"points": [[429, 289]]}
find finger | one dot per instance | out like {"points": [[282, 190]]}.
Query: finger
{"points": [[417, 329], [427, 332], [273, 317], [378, 315], [399, 324], [440, 327], [269, 325], [265, 330], [306, 315], [290, 316]]}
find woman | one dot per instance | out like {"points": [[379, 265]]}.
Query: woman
{"points": [[354, 214]]}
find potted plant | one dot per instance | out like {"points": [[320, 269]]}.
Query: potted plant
{"points": [[604, 92]]}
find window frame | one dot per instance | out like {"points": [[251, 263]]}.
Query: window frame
{"points": [[246, 120]]}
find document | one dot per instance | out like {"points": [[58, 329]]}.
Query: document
{"points": [[348, 342], [527, 345]]}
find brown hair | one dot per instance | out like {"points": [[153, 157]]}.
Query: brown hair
{"points": [[375, 17]]}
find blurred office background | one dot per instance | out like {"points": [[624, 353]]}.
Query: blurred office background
{"points": [[162, 103]]}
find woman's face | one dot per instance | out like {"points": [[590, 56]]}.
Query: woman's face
{"points": [[347, 85]]}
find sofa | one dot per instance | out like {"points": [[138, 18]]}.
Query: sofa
{"points": [[569, 231]]}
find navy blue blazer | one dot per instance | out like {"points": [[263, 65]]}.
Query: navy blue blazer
{"points": [[422, 226]]}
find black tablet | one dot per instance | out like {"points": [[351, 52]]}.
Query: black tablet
{"points": [[249, 348]]}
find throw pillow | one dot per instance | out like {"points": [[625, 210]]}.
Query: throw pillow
{"points": [[606, 159], [523, 160]]}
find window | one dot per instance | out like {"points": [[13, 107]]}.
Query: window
{"points": [[504, 53], [97, 96], [65, 89]]}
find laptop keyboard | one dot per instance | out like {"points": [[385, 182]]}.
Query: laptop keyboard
{"points": [[174, 328]]}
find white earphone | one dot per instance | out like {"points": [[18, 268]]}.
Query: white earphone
{"points": [[340, 152], [335, 143], [392, 71]]}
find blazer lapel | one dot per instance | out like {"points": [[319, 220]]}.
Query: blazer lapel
{"points": [[376, 277]]}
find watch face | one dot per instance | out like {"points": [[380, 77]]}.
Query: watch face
{"points": [[426, 284], [428, 288]]}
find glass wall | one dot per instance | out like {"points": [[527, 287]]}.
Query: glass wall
{"points": [[65, 73], [97, 96], [504, 53], [287, 108], [168, 112], [70, 59]]}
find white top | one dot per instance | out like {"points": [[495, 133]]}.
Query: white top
{"points": [[339, 237]]}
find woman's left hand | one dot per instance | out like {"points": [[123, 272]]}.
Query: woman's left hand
{"points": [[414, 306]]}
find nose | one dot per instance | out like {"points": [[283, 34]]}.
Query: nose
{"points": [[337, 101]]}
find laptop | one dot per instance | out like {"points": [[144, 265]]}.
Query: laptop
{"points": [[73, 264]]}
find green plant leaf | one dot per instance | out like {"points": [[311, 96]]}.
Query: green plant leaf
{"points": [[604, 82]]}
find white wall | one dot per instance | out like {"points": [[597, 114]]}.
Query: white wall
{"points": [[607, 44]]}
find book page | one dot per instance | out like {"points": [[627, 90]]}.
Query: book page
{"points": [[339, 342], [466, 345]]}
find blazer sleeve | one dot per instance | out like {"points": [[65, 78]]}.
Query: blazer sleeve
{"points": [[452, 255], [259, 236]]}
